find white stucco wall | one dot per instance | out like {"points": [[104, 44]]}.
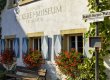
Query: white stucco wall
{"points": [[69, 16]]}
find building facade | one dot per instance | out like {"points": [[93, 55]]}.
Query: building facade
{"points": [[45, 25]]}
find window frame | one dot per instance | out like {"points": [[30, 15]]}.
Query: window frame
{"points": [[9, 43], [76, 42], [32, 43]]}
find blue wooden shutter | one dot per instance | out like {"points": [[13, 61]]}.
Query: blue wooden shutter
{"points": [[2, 45], [25, 45], [57, 44], [44, 46], [16, 47]]}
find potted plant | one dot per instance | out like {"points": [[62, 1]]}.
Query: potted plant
{"points": [[67, 63], [8, 59], [33, 59]]}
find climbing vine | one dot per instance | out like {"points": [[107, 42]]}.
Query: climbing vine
{"points": [[87, 68], [103, 27]]}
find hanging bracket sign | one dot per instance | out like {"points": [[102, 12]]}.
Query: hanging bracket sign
{"points": [[93, 17], [95, 42], [96, 17], [106, 13]]}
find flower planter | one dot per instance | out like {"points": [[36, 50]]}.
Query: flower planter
{"points": [[33, 59]]}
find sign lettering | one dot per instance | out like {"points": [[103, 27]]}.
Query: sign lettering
{"points": [[94, 17], [41, 12], [106, 13]]}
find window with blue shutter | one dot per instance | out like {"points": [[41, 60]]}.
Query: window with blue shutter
{"points": [[2, 45]]}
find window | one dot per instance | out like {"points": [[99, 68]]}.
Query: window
{"points": [[73, 41], [80, 43], [76, 42], [9, 44], [35, 43]]}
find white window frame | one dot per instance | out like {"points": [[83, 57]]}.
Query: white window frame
{"points": [[9, 43], [76, 42], [34, 42]]}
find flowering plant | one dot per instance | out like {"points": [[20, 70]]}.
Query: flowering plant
{"points": [[68, 62], [7, 57], [33, 59]]}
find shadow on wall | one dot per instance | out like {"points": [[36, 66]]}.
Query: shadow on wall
{"points": [[17, 28], [9, 20], [10, 26], [107, 65]]}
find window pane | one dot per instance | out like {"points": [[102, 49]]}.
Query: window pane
{"points": [[40, 44], [11, 44], [72, 42], [80, 49], [36, 44], [79, 38], [80, 44]]}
